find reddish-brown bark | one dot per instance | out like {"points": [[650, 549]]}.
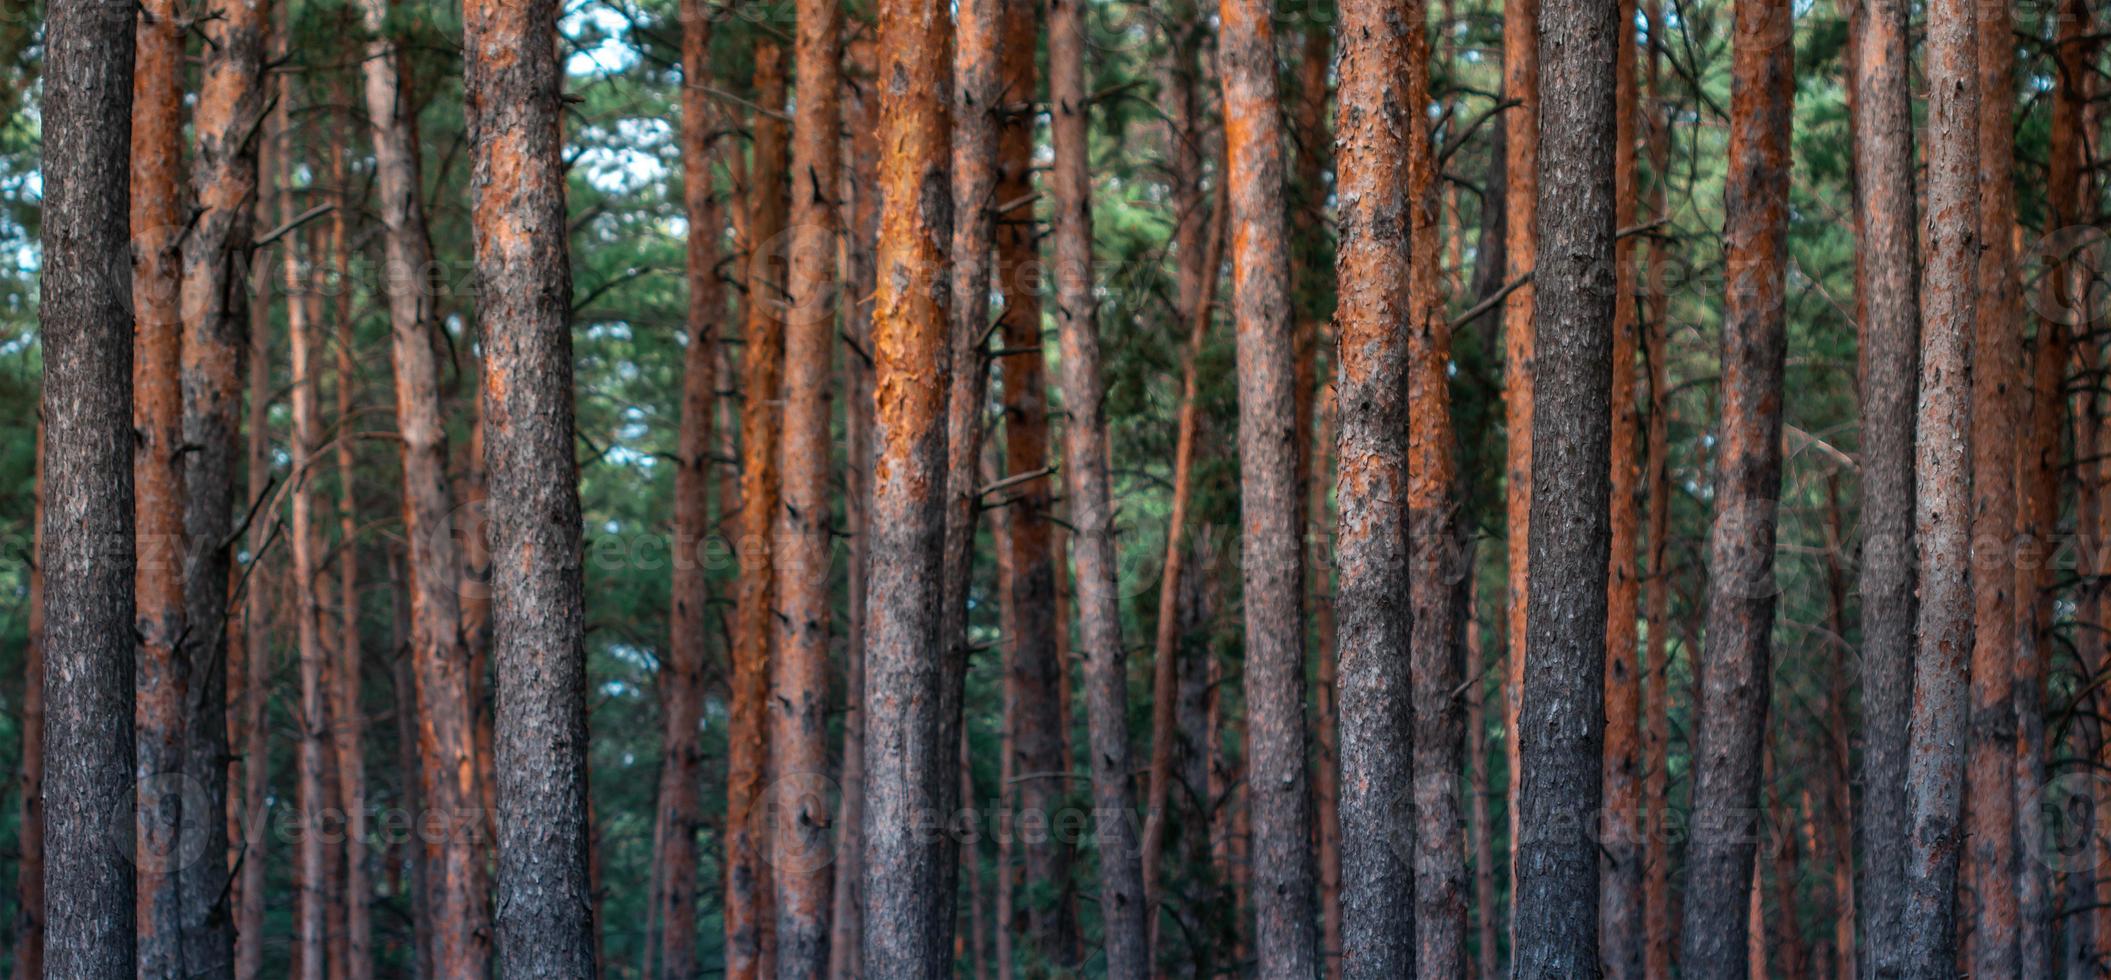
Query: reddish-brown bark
{"points": [[1996, 421], [1620, 908], [161, 679], [1736, 670], [1520, 252], [748, 920], [1942, 453], [682, 683], [311, 919], [1283, 864], [1656, 733], [912, 766], [249, 639], [348, 717], [29, 874]]}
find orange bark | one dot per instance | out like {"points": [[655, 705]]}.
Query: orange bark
{"points": [[1656, 733], [1520, 252]]}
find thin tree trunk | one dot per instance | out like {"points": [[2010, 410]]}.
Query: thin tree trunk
{"points": [[253, 645], [311, 919], [1520, 253], [748, 920], [803, 543], [1736, 676], [348, 715], [1283, 863], [911, 764], [158, 215], [1487, 955], [29, 874], [85, 326], [446, 712], [1997, 430], [1620, 916], [216, 251], [1656, 735], [682, 700], [1561, 720], [514, 92], [1942, 453], [1890, 358]]}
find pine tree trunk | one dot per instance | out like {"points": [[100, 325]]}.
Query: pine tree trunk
{"points": [[1520, 252], [912, 769], [1942, 453], [311, 919], [1996, 421], [1657, 911], [346, 710], [85, 325], [748, 920], [1487, 954], [514, 94], [1736, 674], [158, 215], [1090, 491], [1283, 865], [1561, 720], [1884, 218], [682, 686], [249, 642], [1620, 914], [29, 874]]}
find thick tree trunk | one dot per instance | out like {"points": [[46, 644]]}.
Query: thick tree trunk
{"points": [[347, 715], [1520, 252], [161, 675], [1090, 491], [29, 874], [1620, 915], [912, 767], [311, 919], [216, 251], [1561, 719], [85, 320], [1656, 734], [1283, 864], [682, 686], [1736, 674], [1942, 453], [1890, 358], [1996, 421], [748, 920], [514, 94], [803, 542]]}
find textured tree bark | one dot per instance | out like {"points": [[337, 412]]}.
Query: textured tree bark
{"points": [[1089, 488], [1656, 734], [859, 189], [1520, 253], [85, 323], [1488, 951], [348, 715], [748, 920], [1890, 359], [1736, 673], [311, 919], [216, 251], [1942, 453], [513, 83], [161, 673], [1561, 720], [911, 765], [1997, 430], [29, 874], [1620, 914], [440, 657], [249, 640], [682, 686], [800, 818], [1282, 863]]}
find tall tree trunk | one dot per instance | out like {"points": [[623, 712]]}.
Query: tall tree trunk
{"points": [[158, 215], [1620, 915], [349, 717], [514, 94], [1488, 952], [216, 250], [748, 919], [1283, 864], [1520, 253], [803, 543], [29, 874], [1736, 674], [911, 764], [249, 640], [1656, 735], [1996, 421], [311, 925], [682, 698], [858, 273], [446, 712], [1561, 719], [85, 325], [1942, 453], [1090, 491], [1890, 359]]}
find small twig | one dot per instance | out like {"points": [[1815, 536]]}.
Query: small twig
{"points": [[294, 224], [725, 96], [1014, 480]]}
